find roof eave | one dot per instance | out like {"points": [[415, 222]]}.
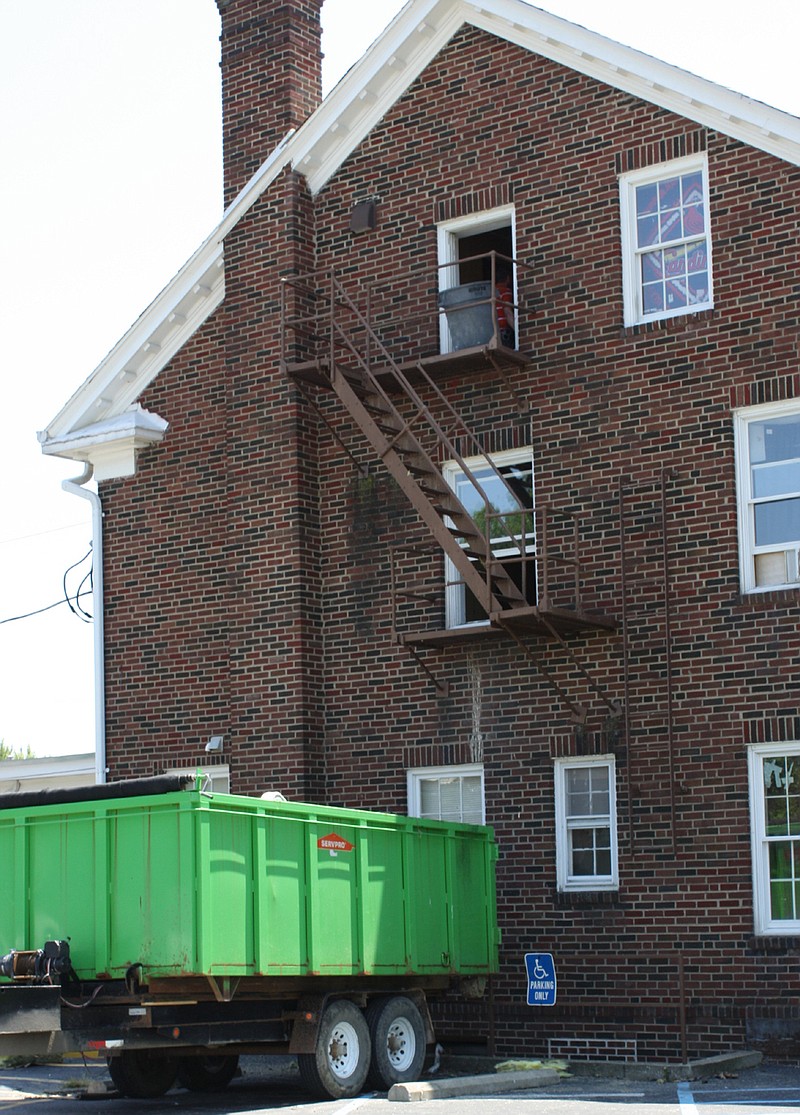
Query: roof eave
{"points": [[317, 150], [111, 446]]}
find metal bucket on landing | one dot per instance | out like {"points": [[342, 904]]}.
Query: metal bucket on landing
{"points": [[468, 310]]}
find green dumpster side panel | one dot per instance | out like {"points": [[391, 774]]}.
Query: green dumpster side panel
{"points": [[187, 884], [150, 891]]}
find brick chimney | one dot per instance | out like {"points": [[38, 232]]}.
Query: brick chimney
{"points": [[271, 78]]}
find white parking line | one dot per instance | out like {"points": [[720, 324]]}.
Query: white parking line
{"points": [[563, 1095], [355, 1104], [733, 1097]]}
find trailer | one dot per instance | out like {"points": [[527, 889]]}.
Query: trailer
{"points": [[175, 929]]}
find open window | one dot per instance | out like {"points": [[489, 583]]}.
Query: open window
{"points": [[478, 281], [498, 495]]}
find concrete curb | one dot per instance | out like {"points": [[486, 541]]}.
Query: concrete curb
{"points": [[490, 1084], [701, 1069]]}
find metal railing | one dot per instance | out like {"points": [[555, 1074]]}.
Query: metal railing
{"points": [[479, 311]]}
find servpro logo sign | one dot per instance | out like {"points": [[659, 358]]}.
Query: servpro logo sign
{"points": [[334, 844]]}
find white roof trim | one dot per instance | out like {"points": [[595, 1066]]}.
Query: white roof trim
{"points": [[346, 116], [110, 445], [423, 28], [162, 330]]}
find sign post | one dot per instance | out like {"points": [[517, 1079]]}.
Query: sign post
{"points": [[541, 970]]}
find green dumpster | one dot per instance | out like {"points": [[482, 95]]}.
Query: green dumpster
{"points": [[184, 883]]}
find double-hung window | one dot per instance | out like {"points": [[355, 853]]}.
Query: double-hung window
{"points": [[666, 244], [452, 793], [498, 496], [586, 824], [775, 833], [768, 489]]}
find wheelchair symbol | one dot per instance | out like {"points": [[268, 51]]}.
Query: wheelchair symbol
{"points": [[538, 971]]}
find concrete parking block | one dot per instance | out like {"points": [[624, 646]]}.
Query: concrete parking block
{"points": [[488, 1084]]}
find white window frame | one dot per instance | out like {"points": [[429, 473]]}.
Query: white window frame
{"points": [[416, 775], [631, 267], [449, 233], [565, 879], [763, 922], [455, 600], [746, 502]]}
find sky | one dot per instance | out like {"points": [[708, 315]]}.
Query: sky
{"points": [[110, 145]]}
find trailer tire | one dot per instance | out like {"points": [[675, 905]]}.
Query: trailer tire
{"points": [[338, 1067], [207, 1074], [398, 1042], [142, 1074]]}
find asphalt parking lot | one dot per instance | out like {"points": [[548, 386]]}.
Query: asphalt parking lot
{"points": [[267, 1084]]}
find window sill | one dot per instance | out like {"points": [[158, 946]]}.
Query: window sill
{"points": [[764, 598], [774, 945], [588, 898], [681, 323]]}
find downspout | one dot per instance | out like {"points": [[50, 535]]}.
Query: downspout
{"points": [[75, 486]]}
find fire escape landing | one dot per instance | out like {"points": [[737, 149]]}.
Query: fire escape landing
{"points": [[328, 341]]}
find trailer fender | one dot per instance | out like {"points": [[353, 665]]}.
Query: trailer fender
{"points": [[305, 1022], [29, 1009]]}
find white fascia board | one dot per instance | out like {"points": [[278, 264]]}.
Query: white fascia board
{"points": [[421, 30], [369, 89], [22, 770], [696, 98], [362, 97], [111, 445], [165, 326], [148, 345]]}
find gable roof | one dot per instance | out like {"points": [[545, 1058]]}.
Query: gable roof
{"points": [[317, 150]]}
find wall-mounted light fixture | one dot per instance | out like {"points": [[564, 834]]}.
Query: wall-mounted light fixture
{"points": [[364, 216]]}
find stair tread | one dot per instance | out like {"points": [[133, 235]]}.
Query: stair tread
{"points": [[403, 452]]}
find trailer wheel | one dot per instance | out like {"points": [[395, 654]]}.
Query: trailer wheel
{"points": [[207, 1074], [142, 1074], [398, 1041], [338, 1068]]}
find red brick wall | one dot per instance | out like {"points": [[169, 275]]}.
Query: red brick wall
{"points": [[212, 549], [271, 74], [248, 561]]}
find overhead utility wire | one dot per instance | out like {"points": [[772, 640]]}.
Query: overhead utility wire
{"points": [[73, 602], [39, 533], [38, 611], [78, 611]]}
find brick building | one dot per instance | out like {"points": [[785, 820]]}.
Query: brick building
{"points": [[458, 472]]}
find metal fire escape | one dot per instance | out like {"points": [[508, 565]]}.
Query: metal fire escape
{"points": [[328, 341]]}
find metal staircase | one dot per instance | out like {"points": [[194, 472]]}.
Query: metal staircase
{"points": [[328, 342], [352, 371]]}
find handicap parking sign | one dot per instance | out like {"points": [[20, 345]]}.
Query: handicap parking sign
{"points": [[541, 970]]}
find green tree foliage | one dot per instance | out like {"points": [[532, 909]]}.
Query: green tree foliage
{"points": [[7, 752]]}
